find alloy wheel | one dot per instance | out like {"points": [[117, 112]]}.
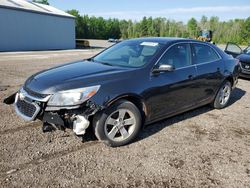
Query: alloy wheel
{"points": [[225, 94], [120, 125]]}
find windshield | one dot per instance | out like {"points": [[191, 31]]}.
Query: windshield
{"points": [[129, 54], [247, 50]]}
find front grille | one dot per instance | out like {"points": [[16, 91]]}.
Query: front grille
{"points": [[35, 94], [27, 110], [245, 66]]}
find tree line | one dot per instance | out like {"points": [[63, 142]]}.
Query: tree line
{"points": [[91, 27]]}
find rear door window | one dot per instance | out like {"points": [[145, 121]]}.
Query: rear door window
{"points": [[204, 54]]}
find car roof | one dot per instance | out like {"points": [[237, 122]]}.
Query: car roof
{"points": [[162, 40], [172, 40]]}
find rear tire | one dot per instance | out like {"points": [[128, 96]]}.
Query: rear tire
{"points": [[223, 96], [118, 125]]}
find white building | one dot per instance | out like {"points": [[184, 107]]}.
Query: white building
{"points": [[26, 25]]}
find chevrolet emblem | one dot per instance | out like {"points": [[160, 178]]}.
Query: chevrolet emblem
{"points": [[21, 96]]}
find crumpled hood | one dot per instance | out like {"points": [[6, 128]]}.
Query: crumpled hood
{"points": [[74, 75], [244, 58]]}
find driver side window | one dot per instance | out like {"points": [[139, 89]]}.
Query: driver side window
{"points": [[178, 55]]}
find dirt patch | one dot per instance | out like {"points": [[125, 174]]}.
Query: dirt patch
{"points": [[241, 132], [177, 163], [4, 87]]}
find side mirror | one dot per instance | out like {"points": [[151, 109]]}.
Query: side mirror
{"points": [[164, 68]]}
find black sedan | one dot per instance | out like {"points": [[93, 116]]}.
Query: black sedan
{"points": [[131, 84], [242, 55]]}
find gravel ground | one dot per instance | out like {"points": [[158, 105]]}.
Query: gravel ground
{"points": [[200, 148]]}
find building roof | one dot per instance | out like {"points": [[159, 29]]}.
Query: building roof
{"points": [[33, 7]]}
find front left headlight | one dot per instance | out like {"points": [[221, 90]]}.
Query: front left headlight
{"points": [[73, 97]]}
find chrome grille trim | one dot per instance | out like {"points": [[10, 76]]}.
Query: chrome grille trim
{"points": [[45, 99], [34, 94], [22, 115], [243, 65]]}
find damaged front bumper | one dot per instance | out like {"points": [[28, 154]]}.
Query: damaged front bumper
{"points": [[31, 106]]}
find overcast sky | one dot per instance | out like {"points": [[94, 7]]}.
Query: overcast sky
{"points": [[180, 10]]}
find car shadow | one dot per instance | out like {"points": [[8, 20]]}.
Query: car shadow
{"points": [[152, 129], [237, 94], [243, 78]]}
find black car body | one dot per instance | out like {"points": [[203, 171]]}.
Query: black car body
{"points": [[177, 75], [242, 55]]}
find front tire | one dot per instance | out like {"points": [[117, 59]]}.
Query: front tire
{"points": [[119, 124], [223, 96]]}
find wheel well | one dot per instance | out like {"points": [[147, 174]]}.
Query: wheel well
{"points": [[137, 102], [231, 80]]}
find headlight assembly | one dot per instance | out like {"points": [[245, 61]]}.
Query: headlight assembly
{"points": [[73, 97]]}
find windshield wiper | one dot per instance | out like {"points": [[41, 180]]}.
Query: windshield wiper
{"points": [[90, 59], [105, 63]]}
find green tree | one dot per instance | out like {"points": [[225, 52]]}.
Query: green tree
{"points": [[131, 31], [143, 29], [192, 27], [79, 23], [213, 22], [46, 2], [237, 30], [124, 27], [204, 22], [245, 31]]}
